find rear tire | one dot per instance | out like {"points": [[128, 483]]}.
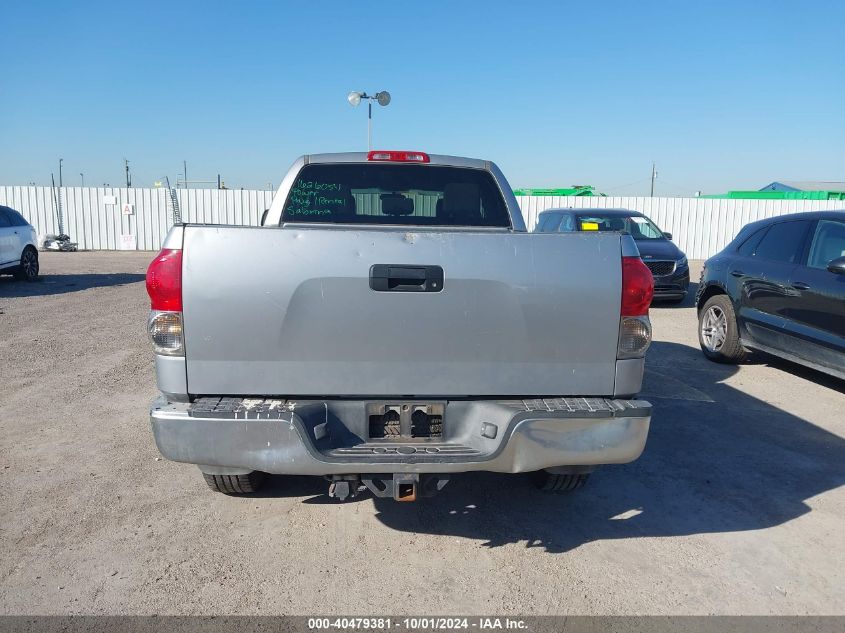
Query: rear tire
{"points": [[718, 332], [28, 269], [235, 484], [559, 483]]}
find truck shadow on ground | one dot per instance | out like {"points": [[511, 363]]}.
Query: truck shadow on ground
{"points": [[717, 460], [62, 284]]}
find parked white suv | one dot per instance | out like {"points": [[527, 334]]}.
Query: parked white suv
{"points": [[18, 254]]}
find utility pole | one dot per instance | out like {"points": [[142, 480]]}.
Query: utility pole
{"points": [[653, 176], [57, 200], [128, 176], [60, 171], [185, 173], [218, 181], [82, 177]]}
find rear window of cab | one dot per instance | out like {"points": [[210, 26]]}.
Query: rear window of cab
{"points": [[410, 194]]}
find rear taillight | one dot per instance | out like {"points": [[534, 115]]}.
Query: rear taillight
{"points": [[164, 285], [637, 293], [164, 281], [634, 337], [637, 287], [165, 330], [398, 156]]}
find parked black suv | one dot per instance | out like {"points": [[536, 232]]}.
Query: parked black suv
{"points": [[778, 287]]}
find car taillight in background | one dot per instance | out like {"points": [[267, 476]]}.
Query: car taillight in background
{"points": [[637, 293], [164, 286], [395, 156]]}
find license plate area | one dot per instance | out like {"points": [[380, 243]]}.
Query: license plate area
{"points": [[404, 420]]}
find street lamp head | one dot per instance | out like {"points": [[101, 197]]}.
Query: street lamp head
{"points": [[383, 97], [354, 98]]}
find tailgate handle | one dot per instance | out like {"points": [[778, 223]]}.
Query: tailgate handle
{"points": [[399, 278]]}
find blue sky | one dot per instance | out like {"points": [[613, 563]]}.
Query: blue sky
{"points": [[721, 95]]}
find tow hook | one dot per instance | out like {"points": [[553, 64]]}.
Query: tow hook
{"points": [[343, 487]]}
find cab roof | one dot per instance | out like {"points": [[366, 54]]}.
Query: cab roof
{"points": [[434, 159]]}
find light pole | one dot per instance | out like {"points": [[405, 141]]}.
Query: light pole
{"points": [[60, 171], [383, 99], [82, 177], [653, 176]]}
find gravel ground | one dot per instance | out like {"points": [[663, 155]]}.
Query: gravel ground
{"points": [[736, 506]]}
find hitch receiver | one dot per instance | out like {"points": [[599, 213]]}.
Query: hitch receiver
{"points": [[405, 486]]}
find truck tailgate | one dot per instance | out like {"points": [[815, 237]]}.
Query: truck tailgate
{"points": [[291, 312]]}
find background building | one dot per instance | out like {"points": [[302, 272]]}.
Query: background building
{"points": [[791, 190]]}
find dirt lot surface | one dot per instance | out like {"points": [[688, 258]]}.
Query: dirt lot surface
{"points": [[736, 507]]}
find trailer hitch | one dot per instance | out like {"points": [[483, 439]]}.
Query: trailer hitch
{"points": [[405, 486]]}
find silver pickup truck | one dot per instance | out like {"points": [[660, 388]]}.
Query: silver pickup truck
{"points": [[391, 323]]}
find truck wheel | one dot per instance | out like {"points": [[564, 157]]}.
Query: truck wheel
{"points": [[28, 269], [235, 484], [558, 483], [718, 333]]}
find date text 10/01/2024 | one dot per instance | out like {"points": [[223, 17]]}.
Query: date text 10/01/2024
{"points": [[412, 623]]}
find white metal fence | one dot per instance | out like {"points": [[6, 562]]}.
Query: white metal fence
{"points": [[700, 227], [94, 216]]}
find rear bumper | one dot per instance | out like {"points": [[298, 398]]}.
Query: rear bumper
{"points": [[325, 437]]}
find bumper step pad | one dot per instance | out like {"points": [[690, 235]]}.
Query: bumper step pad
{"points": [[379, 449], [241, 408]]}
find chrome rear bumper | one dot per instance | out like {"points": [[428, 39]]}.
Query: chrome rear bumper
{"points": [[325, 437]]}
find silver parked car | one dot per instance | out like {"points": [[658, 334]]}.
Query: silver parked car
{"points": [[18, 253]]}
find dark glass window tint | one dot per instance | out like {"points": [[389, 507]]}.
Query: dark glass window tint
{"points": [[390, 194], [783, 242], [549, 223], [748, 246], [15, 218]]}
